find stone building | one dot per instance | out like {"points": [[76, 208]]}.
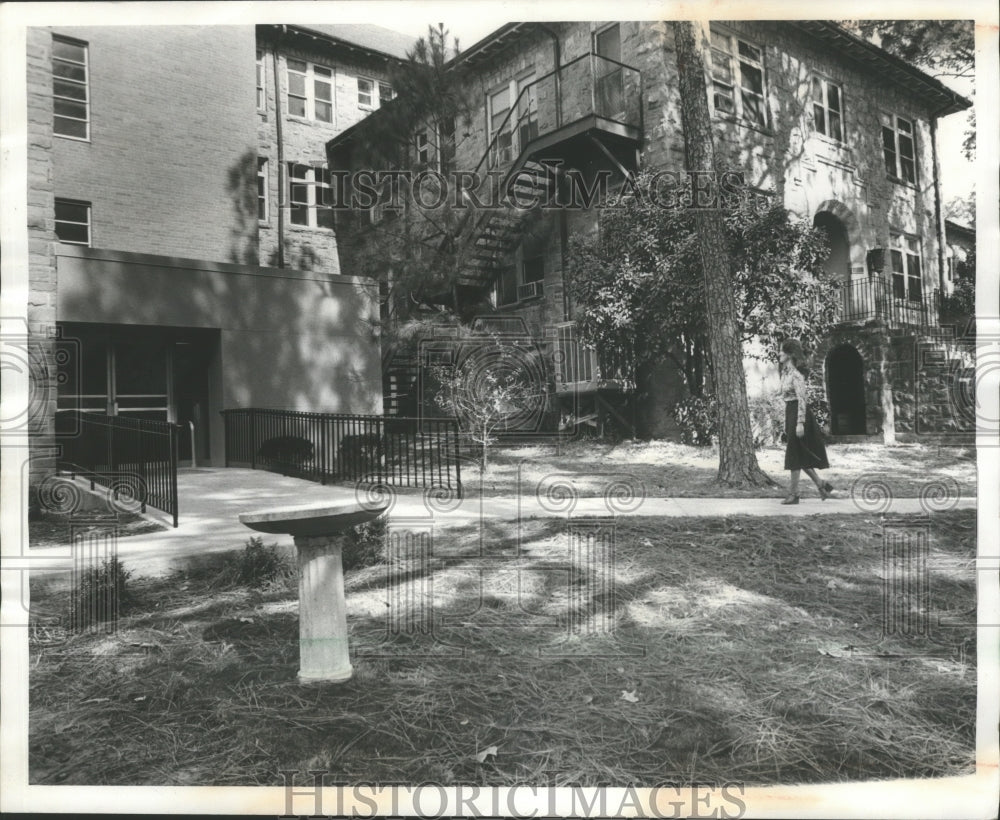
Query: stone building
{"points": [[180, 261], [840, 131]]}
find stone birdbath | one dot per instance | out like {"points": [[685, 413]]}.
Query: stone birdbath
{"points": [[319, 532]]}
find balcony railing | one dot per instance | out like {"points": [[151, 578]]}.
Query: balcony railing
{"points": [[589, 85], [578, 368], [871, 299]]}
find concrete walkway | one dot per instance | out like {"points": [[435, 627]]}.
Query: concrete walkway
{"points": [[212, 499]]}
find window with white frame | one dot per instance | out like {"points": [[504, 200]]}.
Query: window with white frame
{"points": [[73, 221], [738, 88], [309, 196], [310, 91], [907, 277], [262, 202], [366, 92], [501, 133], [70, 89], [373, 94], [423, 149], [828, 108], [898, 148], [261, 98]]}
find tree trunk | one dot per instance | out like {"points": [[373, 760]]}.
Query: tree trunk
{"points": [[737, 459]]}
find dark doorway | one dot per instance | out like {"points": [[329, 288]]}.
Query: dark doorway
{"points": [[190, 383], [845, 387], [154, 373], [839, 260]]}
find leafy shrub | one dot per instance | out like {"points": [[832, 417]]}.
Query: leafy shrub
{"points": [[101, 594], [698, 419], [257, 566], [816, 399], [366, 544], [767, 418]]}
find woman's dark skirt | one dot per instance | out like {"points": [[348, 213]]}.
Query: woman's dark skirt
{"points": [[807, 451]]}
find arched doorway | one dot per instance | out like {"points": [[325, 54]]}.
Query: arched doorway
{"points": [[845, 388], [839, 260]]}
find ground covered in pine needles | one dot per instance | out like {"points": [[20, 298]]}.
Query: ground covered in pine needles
{"points": [[744, 649], [669, 469]]}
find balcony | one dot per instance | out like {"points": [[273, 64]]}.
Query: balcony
{"points": [[579, 369], [877, 299], [590, 93]]}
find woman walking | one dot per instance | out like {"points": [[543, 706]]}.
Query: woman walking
{"points": [[805, 450]]}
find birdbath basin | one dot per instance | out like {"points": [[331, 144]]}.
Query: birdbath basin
{"points": [[319, 531]]}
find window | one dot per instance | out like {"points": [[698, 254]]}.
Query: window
{"points": [[262, 209], [446, 145], [504, 125], [527, 109], [827, 101], [310, 91], [532, 276], [512, 288], [897, 146], [423, 149], [533, 269], [738, 79], [372, 94], [906, 268], [261, 99], [73, 222], [366, 93], [309, 196], [500, 132], [70, 89], [507, 286]]}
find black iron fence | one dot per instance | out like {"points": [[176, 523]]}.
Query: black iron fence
{"points": [[392, 450], [877, 298], [136, 459]]}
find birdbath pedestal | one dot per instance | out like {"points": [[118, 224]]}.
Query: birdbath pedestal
{"points": [[319, 532]]}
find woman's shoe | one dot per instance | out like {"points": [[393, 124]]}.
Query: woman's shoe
{"points": [[828, 486], [825, 491], [792, 499]]}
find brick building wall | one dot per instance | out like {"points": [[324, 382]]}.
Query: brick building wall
{"points": [[311, 247], [170, 166], [42, 285], [809, 172]]}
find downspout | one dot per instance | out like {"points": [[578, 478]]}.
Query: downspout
{"points": [[281, 151], [563, 219], [938, 210]]}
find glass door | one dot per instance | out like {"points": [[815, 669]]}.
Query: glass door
{"points": [[140, 385], [608, 74]]}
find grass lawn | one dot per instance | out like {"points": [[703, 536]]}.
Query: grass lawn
{"points": [[682, 471], [746, 649]]}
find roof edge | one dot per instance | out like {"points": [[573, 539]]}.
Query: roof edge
{"points": [[338, 41], [956, 102]]}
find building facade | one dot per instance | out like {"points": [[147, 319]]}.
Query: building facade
{"points": [[839, 131], [180, 260]]}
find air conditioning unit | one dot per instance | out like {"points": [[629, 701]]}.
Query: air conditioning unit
{"points": [[528, 291]]}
